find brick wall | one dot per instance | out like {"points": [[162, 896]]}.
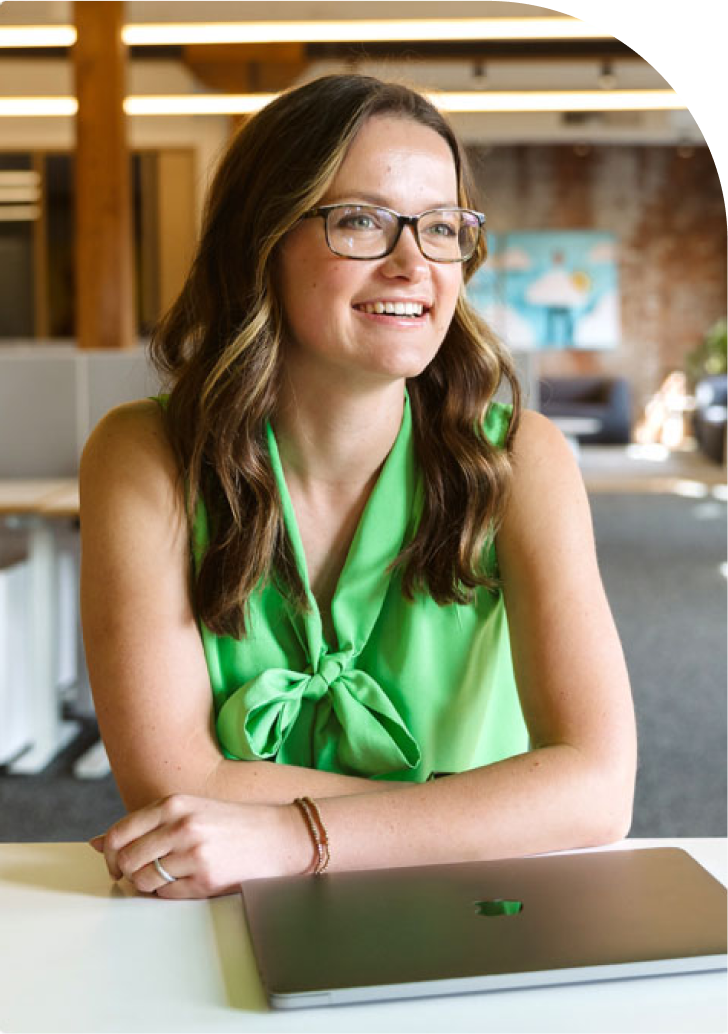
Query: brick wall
{"points": [[665, 206]]}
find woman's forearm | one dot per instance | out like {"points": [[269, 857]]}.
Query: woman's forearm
{"points": [[208, 774], [550, 799], [265, 782], [554, 798]]}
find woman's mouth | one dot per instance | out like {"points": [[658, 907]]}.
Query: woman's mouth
{"points": [[412, 310]]}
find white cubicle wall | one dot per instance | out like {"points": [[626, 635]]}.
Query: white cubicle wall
{"points": [[51, 397]]}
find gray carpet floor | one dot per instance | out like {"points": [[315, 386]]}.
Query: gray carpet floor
{"points": [[661, 560], [660, 557]]}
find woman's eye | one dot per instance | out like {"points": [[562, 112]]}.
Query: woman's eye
{"points": [[442, 230], [358, 221]]}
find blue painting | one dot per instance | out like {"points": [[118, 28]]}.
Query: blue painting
{"points": [[550, 289]]}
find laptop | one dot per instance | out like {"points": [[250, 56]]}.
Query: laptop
{"points": [[484, 926]]}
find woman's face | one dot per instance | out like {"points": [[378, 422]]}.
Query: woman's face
{"points": [[399, 164]]}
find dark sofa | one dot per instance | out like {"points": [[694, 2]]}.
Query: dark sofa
{"points": [[591, 409], [709, 416]]}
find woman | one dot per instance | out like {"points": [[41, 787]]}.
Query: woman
{"points": [[381, 574]]}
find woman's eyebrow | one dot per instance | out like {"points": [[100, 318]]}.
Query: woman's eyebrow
{"points": [[356, 196]]}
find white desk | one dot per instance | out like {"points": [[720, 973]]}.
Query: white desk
{"points": [[36, 505], [81, 954]]}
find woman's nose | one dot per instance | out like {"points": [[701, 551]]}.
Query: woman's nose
{"points": [[406, 259]]}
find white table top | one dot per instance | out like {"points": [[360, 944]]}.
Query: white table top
{"points": [[51, 497], [78, 953]]}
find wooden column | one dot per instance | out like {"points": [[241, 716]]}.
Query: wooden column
{"points": [[177, 227], [104, 280], [41, 321]]}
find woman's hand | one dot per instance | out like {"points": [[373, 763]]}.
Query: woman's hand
{"points": [[209, 846]]}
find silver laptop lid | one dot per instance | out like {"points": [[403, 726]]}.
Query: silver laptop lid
{"points": [[477, 926]]}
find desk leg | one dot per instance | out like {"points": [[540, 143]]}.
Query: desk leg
{"points": [[49, 733]]}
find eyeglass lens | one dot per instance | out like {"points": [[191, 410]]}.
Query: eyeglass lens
{"points": [[360, 231]]}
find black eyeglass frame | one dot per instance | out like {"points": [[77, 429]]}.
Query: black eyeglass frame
{"points": [[402, 221]]}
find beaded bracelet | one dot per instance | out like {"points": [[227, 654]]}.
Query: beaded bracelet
{"points": [[316, 828]]}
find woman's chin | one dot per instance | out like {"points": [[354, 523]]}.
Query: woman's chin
{"points": [[400, 366], [375, 366]]}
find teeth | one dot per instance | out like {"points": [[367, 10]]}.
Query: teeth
{"points": [[394, 308]]}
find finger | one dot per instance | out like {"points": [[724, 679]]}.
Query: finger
{"points": [[194, 878], [176, 833], [181, 889], [149, 880], [126, 831], [190, 887], [182, 865], [98, 843]]}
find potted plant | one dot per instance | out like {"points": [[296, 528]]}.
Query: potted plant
{"points": [[709, 358], [706, 368]]}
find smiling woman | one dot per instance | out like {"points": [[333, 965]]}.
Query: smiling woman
{"points": [[326, 566]]}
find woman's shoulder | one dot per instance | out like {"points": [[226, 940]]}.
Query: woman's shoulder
{"points": [[534, 432], [129, 451], [537, 439], [130, 434], [546, 475]]}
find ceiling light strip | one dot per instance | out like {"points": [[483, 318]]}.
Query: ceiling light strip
{"points": [[468, 101], [463, 102], [33, 107], [198, 104], [37, 35], [367, 30], [370, 30], [557, 100]]}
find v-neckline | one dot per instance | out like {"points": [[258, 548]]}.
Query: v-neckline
{"points": [[378, 538], [327, 708]]}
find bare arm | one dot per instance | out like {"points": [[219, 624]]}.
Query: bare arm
{"points": [[146, 662], [573, 789]]}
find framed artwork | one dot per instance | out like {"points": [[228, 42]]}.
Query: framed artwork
{"points": [[554, 289]]}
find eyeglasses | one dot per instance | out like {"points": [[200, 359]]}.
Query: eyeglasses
{"points": [[368, 232]]}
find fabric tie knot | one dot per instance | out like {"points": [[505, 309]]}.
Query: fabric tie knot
{"points": [[351, 724], [330, 668]]}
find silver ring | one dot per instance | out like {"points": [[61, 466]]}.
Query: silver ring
{"points": [[163, 872]]}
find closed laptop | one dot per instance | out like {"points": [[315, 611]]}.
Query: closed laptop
{"points": [[483, 926]]}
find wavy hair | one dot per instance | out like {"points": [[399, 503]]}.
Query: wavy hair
{"points": [[220, 349]]}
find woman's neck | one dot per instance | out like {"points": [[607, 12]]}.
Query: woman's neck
{"points": [[334, 439]]}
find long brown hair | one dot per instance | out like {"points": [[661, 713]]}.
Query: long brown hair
{"points": [[220, 347]]}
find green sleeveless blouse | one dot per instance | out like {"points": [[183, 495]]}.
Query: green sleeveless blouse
{"points": [[405, 691]]}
